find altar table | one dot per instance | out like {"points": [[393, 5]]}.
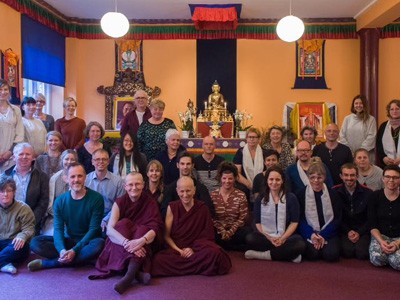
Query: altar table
{"points": [[224, 147]]}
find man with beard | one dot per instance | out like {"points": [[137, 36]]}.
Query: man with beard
{"points": [[296, 174], [354, 229], [77, 232]]}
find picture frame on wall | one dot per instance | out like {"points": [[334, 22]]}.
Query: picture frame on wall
{"points": [[122, 105]]}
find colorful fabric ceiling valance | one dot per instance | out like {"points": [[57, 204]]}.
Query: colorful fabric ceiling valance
{"points": [[206, 18], [185, 29]]}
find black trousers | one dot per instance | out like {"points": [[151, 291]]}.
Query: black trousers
{"points": [[330, 251], [293, 247]]}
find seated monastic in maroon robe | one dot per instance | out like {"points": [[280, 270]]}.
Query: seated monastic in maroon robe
{"points": [[191, 229], [136, 219]]}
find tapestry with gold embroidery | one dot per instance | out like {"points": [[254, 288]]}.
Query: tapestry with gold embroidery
{"points": [[10, 72], [310, 65], [129, 54]]}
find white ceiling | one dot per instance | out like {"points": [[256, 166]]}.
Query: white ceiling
{"points": [[179, 9]]}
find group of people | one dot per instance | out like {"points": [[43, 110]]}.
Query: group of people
{"points": [[151, 209]]}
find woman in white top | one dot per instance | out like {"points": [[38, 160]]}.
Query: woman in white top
{"points": [[11, 126], [249, 159], [359, 128], [35, 132]]}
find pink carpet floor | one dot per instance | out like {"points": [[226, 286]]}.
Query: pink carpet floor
{"points": [[346, 279]]}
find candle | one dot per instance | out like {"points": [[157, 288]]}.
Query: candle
{"points": [[225, 105], [205, 104]]}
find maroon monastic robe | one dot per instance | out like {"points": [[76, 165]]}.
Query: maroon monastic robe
{"points": [[191, 229], [136, 219]]}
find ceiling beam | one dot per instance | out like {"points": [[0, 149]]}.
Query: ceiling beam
{"points": [[379, 14]]}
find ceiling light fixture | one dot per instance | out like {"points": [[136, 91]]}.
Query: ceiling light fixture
{"points": [[114, 24], [290, 28]]}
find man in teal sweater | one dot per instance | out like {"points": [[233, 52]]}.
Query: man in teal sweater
{"points": [[77, 232]]}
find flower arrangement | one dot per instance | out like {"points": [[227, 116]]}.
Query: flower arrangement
{"points": [[241, 120], [186, 120]]}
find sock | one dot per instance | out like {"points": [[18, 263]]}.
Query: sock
{"points": [[251, 254], [121, 286], [35, 265], [9, 268], [39, 264], [143, 277], [297, 259]]}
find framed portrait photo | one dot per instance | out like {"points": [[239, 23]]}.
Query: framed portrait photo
{"points": [[122, 106]]}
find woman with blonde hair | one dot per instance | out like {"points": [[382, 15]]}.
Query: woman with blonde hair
{"points": [[151, 133], [58, 185], [49, 162], [249, 159], [48, 120]]}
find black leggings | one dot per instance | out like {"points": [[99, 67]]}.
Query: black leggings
{"points": [[293, 247]]}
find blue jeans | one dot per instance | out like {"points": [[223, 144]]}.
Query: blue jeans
{"points": [[43, 245], [9, 255]]}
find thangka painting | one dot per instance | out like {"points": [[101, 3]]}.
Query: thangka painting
{"points": [[10, 72], [313, 114], [310, 65], [129, 54]]}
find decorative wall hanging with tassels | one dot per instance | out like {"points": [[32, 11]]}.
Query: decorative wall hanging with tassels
{"points": [[10, 72], [310, 65]]}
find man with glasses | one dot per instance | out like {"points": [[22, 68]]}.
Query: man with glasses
{"points": [[109, 185], [354, 229], [296, 174], [138, 115]]}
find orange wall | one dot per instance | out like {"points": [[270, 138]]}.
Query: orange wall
{"points": [[389, 66], [89, 64], [266, 71]]}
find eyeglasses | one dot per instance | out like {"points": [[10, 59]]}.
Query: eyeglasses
{"points": [[100, 159], [140, 98], [7, 191], [316, 178], [388, 177], [303, 150], [253, 137]]}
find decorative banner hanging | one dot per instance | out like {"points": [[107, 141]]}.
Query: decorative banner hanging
{"points": [[215, 16], [10, 72], [310, 65], [128, 54], [296, 115]]}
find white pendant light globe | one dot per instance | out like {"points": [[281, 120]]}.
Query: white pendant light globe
{"points": [[114, 24], [290, 28]]}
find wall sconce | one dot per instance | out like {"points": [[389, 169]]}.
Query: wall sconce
{"points": [[290, 28], [114, 24]]}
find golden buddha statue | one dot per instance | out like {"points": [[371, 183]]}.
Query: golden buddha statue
{"points": [[216, 99]]}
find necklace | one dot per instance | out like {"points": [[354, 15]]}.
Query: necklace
{"points": [[395, 132]]}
